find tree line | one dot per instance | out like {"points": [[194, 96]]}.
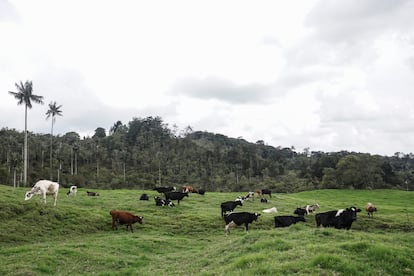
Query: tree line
{"points": [[146, 152]]}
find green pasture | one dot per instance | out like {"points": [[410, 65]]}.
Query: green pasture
{"points": [[75, 237]]}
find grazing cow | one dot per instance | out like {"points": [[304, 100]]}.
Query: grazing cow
{"points": [[370, 208], [123, 217], [263, 200], [92, 193], [144, 197], [338, 218], [175, 196], [229, 206], [43, 188], [263, 192], [239, 219], [189, 189], [72, 191], [300, 211], [163, 202], [162, 190], [285, 221], [270, 210]]}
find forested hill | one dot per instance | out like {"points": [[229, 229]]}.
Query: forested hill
{"points": [[147, 152]]}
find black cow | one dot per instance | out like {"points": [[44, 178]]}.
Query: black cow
{"points": [[163, 202], [92, 193], [338, 218], [201, 191], [263, 200], [229, 206], [164, 189], [175, 196], [144, 197], [239, 219], [285, 221], [300, 211]]}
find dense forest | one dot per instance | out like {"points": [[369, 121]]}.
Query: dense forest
{"points": [[146, 152]]}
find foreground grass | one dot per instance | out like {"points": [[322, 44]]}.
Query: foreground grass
{"points": [[75, 238]]}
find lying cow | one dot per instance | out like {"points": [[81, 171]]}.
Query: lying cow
{"points": [[72, 191], [285, 221], [175, 196], [229, 206], [239, 219], [162, 190], [43, 188], [370, 208], [163, 202], [123, 217], [92, 193], [340, 219], [270, 210], [144, 197]]}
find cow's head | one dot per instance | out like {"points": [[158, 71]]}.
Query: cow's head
{"points": [[28, 195], [256, 216], [139, 219], [353, 211]]}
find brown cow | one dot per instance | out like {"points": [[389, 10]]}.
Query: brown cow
{"points": [[370, 208], [124, 218], [189, 189]]}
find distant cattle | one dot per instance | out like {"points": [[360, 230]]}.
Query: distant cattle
{"points": [[239, 219], [175, 196], [337, 218], [370, 208], [250, 195], [201, 191], [162, 190], [263, 200], [285, 221], [229, 206], [123, 217], [263, 192], [144, 197], [189, 189], [300, 211], [72, 191], [163, 202], [92, 193], [43, 188], [270, 210]]}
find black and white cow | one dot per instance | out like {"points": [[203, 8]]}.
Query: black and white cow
{"points": [[229, 206], [340, 219], [285, 221], [300, 212], [92, 193], [163, 202], [72, 191], [239, 219]]}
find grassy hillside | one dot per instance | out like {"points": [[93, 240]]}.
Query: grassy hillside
{"points": [[75, 237]]}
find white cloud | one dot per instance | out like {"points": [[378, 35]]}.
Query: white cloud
{"points": [[324, 74]]}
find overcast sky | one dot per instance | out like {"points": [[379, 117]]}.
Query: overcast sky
{"points": [[324, 75]]}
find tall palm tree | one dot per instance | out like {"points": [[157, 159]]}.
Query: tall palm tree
{"points": [[25, 96], [53, 111]]}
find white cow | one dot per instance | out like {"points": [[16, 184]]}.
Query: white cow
{"points": [[270, 210], [72, 191], [43, 187]]}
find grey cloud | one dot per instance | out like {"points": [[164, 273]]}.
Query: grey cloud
{"points": [[222, 90], [353, 21]]}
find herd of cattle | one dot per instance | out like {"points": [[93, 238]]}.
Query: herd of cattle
{"points": [[339, 219]]}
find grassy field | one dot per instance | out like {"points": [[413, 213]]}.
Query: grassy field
{"points": [[75, 237]]}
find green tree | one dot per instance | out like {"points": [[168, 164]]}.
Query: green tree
{"points": [[54, 110], [25, 96]]}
